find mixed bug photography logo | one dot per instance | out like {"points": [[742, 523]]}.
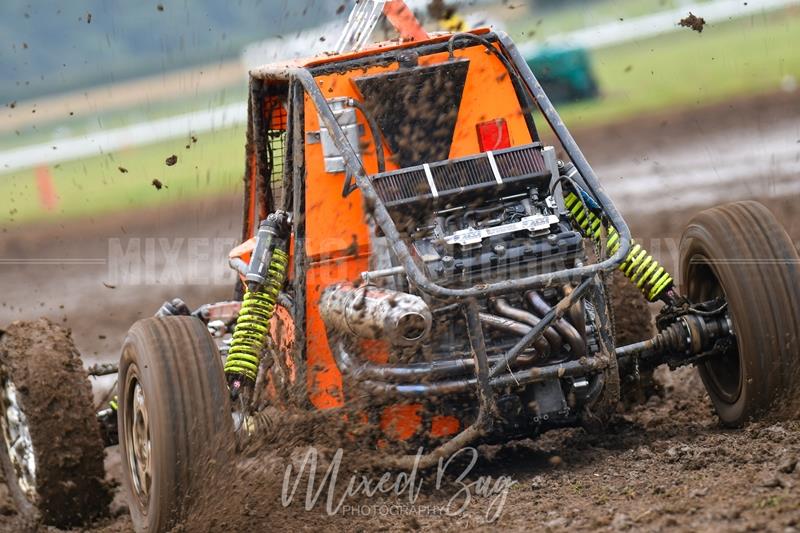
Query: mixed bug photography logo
{"points": [[139, 261], [144, 261], [458, 490]]}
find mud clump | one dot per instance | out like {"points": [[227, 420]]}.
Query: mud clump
{"points": [[171, 160], [632, 318], [54, 394], [693, 22], [288, 444], [440, 10]]}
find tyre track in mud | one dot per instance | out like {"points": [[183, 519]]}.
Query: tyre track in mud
{"points": [[666, 464]]}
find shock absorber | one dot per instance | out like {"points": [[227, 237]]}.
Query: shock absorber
{"points": [[266, 274], [639, 266]]}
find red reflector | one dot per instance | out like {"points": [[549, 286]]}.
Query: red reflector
{"points": [[493, 135]]}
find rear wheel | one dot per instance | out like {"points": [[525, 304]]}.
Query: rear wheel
{"points": [[739, 251], [175, 426], [51, 450]]}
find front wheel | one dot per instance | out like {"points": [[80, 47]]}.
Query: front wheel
{"points": [[739, 251], [51, 451], [175, 422]]}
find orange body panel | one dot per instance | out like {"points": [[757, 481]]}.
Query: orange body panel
{"points": [[488, 94], [337, 237], [444, 426], [401, 422], [244, 250], [324, 378], [336, 227], [404, 21]]}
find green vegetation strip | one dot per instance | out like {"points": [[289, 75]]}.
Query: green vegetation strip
{"points": [[541, 24], [675, 71], [687, 69], [212, 165]]}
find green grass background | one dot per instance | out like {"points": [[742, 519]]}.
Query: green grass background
{"points": [[686, 68], [674, 71], [213, 165], [539, 25]]}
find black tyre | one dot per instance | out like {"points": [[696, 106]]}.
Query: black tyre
{"points": [[175, 425], [740, 251], [51, 450]]}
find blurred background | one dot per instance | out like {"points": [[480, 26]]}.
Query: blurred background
{"points": [[98, 94]]}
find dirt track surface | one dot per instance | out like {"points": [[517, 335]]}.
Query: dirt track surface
{"points": [[731, 151], [665, 465]]}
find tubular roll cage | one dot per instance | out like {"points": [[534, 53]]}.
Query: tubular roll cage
{"points": [[486, 376]]}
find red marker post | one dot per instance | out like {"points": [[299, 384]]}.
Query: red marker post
{"points": [[48, 198]]}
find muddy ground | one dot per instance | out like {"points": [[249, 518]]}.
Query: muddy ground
{"points": [[664, 465]]}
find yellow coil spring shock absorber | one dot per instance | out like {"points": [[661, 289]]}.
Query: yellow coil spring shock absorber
{"points": [[252, 325], [266, 274], [639, 266]]}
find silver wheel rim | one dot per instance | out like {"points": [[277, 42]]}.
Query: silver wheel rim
{"points": [[17, 438], [137, 440]]}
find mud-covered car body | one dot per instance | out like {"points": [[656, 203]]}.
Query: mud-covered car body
{"points": [[514, 333], [420, 265]]}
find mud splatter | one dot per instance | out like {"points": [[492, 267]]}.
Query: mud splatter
{"points": [[440, 10], [693, 22]]}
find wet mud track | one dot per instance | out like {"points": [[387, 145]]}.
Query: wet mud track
{"points": [[666, 464]]}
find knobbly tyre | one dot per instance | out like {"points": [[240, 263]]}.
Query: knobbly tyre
{"points": [[416, 258]]}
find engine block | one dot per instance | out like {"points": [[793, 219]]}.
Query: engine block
{"points": [[483, 218]]}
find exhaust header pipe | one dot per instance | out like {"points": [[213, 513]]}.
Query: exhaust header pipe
{"points": [[372, 312]]}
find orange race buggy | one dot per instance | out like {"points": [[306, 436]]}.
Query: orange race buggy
{"points": [[419, 258]]}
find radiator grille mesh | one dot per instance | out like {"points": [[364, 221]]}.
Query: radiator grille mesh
{"points": [[456, 176]]}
